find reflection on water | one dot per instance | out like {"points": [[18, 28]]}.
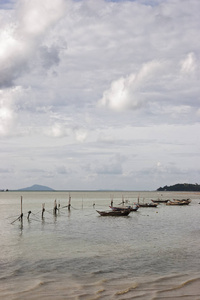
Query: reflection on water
{"points": [[76, 254]]}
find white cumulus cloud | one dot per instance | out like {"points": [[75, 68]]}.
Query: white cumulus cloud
{"points": [[21, 38], [188, 65], [129, 92]]}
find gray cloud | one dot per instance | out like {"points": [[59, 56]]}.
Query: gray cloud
{"points": [[110, 168], [49, 56]]}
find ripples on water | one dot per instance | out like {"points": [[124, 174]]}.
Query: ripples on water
{"points": [[151, 254]]}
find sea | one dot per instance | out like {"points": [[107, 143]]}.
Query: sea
{"points": [[151, 254]]}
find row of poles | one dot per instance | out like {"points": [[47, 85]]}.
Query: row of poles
{"points": [[55, 210]]}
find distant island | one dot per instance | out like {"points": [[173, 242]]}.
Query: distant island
{"points": [[37, 187], [181, 187]]}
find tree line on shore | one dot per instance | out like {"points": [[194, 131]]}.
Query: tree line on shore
{"points": [[181, 187]]}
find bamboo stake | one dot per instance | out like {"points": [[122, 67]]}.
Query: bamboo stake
{"points": [[43, 210], [55, 207], [69, 203], [29, 212], [21, 216]]}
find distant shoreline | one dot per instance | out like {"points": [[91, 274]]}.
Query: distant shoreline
{"points": [[179, 187]]}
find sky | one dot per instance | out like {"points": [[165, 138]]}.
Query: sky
{"points": [[99, 94]]}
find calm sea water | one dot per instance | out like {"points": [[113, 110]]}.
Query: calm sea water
{"points": [[153, 253]]}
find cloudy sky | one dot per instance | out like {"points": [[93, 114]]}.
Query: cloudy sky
{"points": [[99, 94]]}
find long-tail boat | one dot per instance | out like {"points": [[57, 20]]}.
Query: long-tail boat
{"points": [[114, 213], [160, 201], [131, 208], [179, 202]]}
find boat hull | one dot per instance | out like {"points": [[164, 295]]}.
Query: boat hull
{"points": [[113, 213], [178, 203], [148, 205], [159, 201], [115, 208]]}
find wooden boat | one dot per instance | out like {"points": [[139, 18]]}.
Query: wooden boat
{"points": [[131, 208], [114, 213], [159, 201], [182, 200], [178, 202], [148, 204]]}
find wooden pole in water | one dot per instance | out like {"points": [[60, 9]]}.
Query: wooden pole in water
{"points": [[29, 212], [69, 203], [21, 216], [43, 210], [55, 207]]}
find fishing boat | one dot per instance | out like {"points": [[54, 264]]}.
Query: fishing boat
{"points": [[114, 213], [143, 204], [159, 201], [131, 208], [178, 202], [182, 200], [148, 204]]}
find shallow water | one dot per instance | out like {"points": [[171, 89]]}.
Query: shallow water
{"points": [[151, 254]]}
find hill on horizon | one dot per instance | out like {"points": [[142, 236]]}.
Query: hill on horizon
{"points": [[36, 187], [181, 187]]}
